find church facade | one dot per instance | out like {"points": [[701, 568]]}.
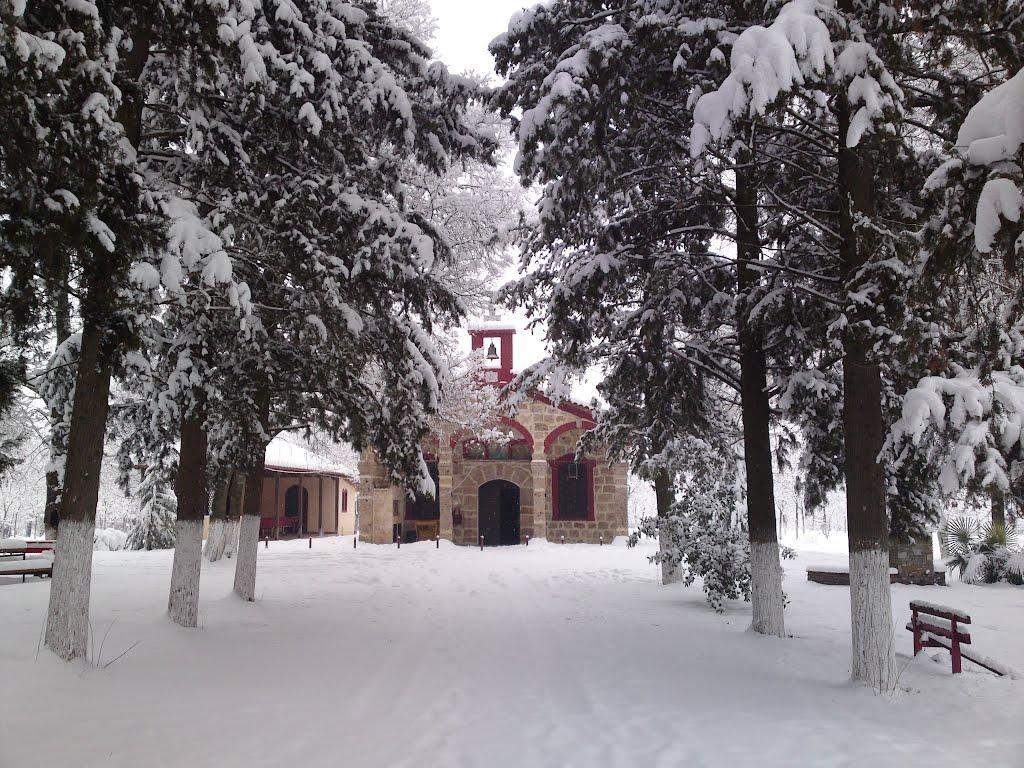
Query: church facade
{"points": [[530, 485]]}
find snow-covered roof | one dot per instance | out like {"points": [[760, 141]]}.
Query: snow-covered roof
{"points": [[283, 454], [492, 325]]}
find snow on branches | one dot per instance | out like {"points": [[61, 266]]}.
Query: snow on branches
{"points": [[798, 49], [982, 417]]}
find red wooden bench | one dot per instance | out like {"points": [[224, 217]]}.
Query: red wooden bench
{"points": [[288, 525], [939, 626]]}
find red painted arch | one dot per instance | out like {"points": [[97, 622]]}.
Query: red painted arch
{"points": [[567, 427], [518, 427]]}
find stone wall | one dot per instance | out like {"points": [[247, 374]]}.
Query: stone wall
{"points": [[914, 561]]}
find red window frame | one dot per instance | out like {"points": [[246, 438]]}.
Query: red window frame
{"points": [[588, 467]]}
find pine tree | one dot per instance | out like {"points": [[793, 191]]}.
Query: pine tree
{"points": [[154, 527]]}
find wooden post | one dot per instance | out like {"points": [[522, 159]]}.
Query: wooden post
{"points": [[320, 505], [954, 647], [337, 501], [303, 510], [277, 506]]}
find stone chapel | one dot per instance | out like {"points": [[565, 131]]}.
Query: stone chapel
{"points": [[530, 486]]}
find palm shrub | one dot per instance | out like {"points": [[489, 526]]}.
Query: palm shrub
{"points": [[983, 553]]}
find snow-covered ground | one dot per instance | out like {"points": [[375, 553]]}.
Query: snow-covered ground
{"points": [[541, 656]]}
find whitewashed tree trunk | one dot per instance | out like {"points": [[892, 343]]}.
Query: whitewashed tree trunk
{"points": [[245, 563], [183, 602], [67, 622], [766, 589], [231, 538], [670, 574], [216, 541], [874, 659], [190, 487]]}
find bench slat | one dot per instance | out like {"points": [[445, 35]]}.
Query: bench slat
{"points": [[942, 611], [944, 631]]}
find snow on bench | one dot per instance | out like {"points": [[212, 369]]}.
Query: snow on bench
{"points": [[13, 544], [35, 565]]}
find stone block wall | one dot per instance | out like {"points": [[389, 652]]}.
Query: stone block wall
{"points": [[914, 561]]}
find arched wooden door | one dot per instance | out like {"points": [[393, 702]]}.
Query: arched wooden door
{"points": [[498, 513]]}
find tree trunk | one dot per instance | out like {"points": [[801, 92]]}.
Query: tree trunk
{"points": [[216, 539], [236, 497], [874, 660], [998, 508], [62, 330], [670, 574], [67, 622], [765, 570], [190, 487], [249, 535]]}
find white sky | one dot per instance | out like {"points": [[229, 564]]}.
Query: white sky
{"points": [[465, 27]]}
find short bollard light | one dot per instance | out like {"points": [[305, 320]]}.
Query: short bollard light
{"points": [[527, 539], [481, 543], [310, 542], [562, 539], [266, 542], [437, 541]]}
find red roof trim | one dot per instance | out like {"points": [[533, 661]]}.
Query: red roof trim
{"points": [[576, 409]]}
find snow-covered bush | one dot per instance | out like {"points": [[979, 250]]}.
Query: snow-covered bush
{"points": [[704, 536], [983, 554], [710, 548], [109, 540]]}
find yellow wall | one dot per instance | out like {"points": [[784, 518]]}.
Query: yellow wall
{"points": [[323, 490]]}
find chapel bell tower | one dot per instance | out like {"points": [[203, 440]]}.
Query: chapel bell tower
{"points": [[495, 337]]}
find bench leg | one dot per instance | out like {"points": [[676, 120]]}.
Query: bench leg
{"points": [[955, 648], [917, 634]]}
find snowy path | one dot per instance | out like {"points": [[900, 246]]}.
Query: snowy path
{"points": [[539, 656]]}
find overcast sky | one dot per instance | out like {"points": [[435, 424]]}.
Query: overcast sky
{"points": [[467, 26]]}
